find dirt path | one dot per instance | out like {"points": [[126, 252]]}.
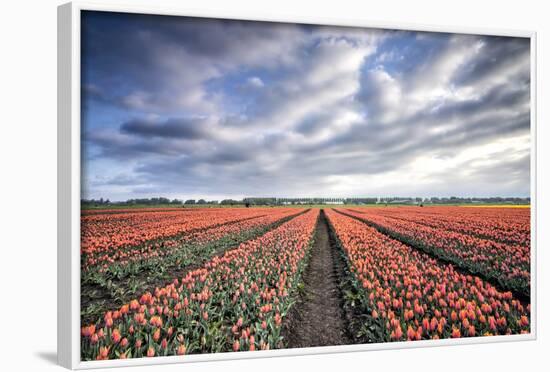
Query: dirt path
{"points": [[318, 319]]}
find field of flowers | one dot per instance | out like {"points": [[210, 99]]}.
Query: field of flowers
{"points": [[106, 232], [410, 296], [492, 242], [234, 302], [164, 232], [177, 281], [114, 274]]}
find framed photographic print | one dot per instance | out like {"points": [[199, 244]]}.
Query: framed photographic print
{"points": [[237, 186]]}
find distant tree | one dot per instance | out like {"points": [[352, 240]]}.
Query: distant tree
{"points": [[201, 201], [230, 202], [190, 201]]}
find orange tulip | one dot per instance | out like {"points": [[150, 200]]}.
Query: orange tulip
{"points": [[103, 352], [455, 333], [156, 334], [181, 349], [115, 335], [524, 321]]}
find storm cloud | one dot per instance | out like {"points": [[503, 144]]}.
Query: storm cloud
{"points": [[183, 128], [189, 107]]}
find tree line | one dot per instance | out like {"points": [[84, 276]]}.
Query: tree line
{"points": [[293, 201]]}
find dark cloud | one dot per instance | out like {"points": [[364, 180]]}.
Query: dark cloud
{"points": [[122, 180], [499, 97], [113, 145], [178, 128], [230, 156], [495, 54], [313, 123], [160, 63]]}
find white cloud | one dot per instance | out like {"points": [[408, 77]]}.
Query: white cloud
{"points": [[255, 82]]}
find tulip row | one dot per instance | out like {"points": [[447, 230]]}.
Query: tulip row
{"points": [[407, 295], [86, 212], [504, 225], [107, 232], [189, 242], [506, 264], [234, 302]]}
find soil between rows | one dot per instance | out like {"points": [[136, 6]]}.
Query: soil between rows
{"points": [[318, 317]]}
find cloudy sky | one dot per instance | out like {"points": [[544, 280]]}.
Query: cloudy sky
{"points": [[188, 108]]}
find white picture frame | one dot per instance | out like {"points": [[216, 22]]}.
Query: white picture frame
{"points": [[69, 187]]}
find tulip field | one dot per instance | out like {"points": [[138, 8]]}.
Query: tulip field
{"points": [[179, 281], [122, 253], [494, 243], [411, 296]]}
